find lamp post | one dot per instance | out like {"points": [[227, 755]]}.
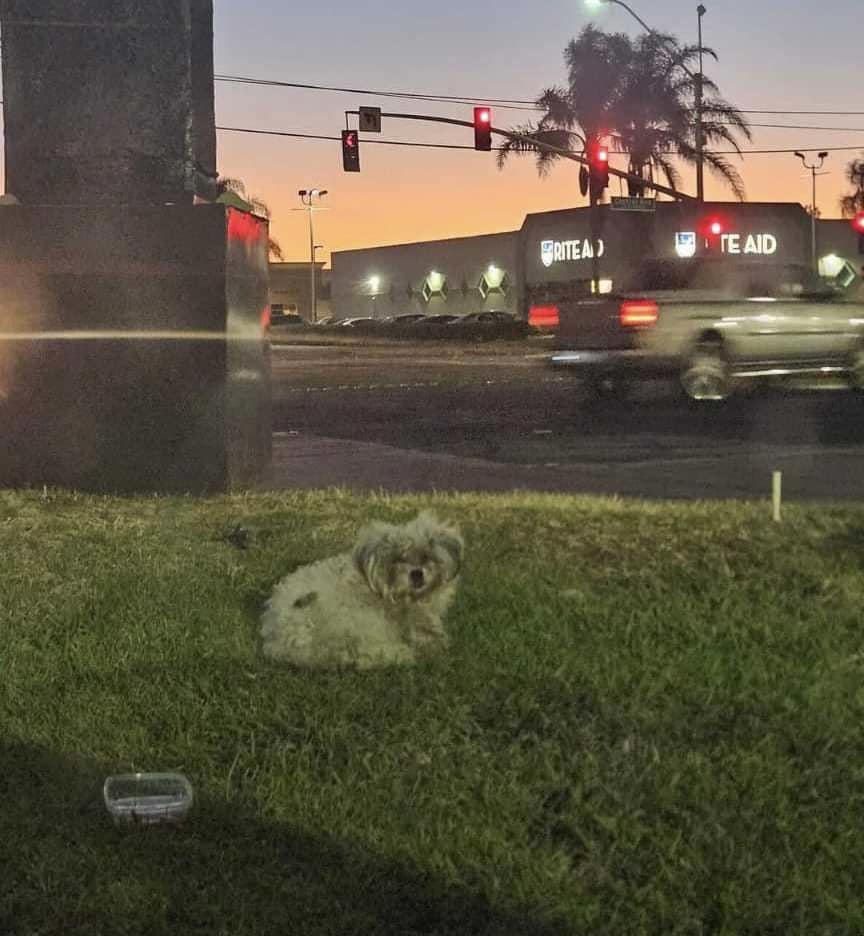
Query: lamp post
{"points": [[700, 139], [307, 197], [700, 143], [814, 171]]}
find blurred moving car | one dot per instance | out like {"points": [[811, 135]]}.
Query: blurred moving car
{"points": [[712, 323], [544, 317]]}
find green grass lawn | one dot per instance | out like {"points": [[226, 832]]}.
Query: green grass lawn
{"points": [[650, 722]]}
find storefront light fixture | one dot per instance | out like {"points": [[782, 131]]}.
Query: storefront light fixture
{"points": [[831, 265], [837, 269]]}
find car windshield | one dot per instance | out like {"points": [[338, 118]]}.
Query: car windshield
{"points": [[428, 514]]}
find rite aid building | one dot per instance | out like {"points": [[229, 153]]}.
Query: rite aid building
{"points": [[550, 258]]}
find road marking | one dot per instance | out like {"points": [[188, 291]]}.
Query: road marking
{"points": [[458, 385]]}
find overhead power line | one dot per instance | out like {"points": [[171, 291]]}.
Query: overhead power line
{"points": [[338, 139], [408, 95], [514, 103], [455, 146]]}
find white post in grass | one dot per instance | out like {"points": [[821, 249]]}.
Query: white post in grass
{"points": [[778, 494]]}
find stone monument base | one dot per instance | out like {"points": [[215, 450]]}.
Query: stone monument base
{"points": [[134, 348]]}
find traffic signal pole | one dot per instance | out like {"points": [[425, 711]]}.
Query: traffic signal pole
{"points": [[593, 197], [545, 147]]}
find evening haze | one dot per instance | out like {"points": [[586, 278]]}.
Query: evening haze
{"points": [[773, 54]]}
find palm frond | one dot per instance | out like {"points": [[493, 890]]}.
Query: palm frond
{"points": [[722, 168], [529, 138]]}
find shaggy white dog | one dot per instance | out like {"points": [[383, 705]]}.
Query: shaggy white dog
{"points": [[383, 603]]}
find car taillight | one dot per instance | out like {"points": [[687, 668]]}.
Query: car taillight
{"points": [[636, 313], [543, 316]]}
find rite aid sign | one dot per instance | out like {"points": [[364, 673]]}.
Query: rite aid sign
{"points": [[764, 245], [552, 251]]}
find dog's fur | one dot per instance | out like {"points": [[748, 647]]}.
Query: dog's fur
{"points": [[383, 603]]}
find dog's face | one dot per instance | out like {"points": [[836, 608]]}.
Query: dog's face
{"points": [[409, 563]]}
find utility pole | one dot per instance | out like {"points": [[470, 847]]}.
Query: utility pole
{"points": [[814, 172], [700, 136], [698, 82], [306, 197]]}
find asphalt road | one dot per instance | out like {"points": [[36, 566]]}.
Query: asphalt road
{"points": [[421, 418]]}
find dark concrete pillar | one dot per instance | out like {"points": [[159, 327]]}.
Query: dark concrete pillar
{"points": [[134, 353], [108, 101]]}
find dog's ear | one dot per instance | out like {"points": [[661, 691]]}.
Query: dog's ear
{"points": [[443, 537], [368, 554]]}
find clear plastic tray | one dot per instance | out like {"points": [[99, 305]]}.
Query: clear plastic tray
{"points": [[148, 798]]}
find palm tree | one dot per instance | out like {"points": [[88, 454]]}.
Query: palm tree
{"points": [[642, 94], [233, 191], [850, 205]]}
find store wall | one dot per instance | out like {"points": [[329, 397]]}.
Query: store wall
{"points": [[459, 276]]}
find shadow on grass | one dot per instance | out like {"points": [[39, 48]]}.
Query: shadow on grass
{"points": [[66, 869]]}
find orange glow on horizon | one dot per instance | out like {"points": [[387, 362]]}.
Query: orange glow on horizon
{"points": [[405, 196]]}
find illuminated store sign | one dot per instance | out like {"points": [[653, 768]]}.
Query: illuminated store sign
{"points": [[552, 251], [733, 244], [764, 244]]}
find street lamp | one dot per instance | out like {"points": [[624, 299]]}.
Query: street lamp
{"points": [[307, 196], [595, 4], [814, 172], [701, 10]]}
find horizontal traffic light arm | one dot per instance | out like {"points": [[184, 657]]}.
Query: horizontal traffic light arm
{"points": [[546, 147]]}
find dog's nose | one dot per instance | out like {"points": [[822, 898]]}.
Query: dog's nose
{"points": [[417, 578]]}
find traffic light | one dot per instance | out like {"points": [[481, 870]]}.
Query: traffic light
{"points": [[598, 159], [483, 129], [713, 230], [350, 150], [858, 224]]}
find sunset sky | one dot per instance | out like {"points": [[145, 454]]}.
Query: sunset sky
{"points": [[773, 54]]}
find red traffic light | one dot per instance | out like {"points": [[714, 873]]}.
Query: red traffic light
{"points": [[598, 176], [712, 226], [483, 128], [858, 222], [350, 151]]}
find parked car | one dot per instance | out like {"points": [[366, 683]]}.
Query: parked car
{"points": [[442, 318], [712, 323], [491, 317], [287, 318], [325, 321], [362, 323], [406, 318], [491, 324]]}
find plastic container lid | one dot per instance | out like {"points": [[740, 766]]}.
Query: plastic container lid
{"points": [[148, 798]]}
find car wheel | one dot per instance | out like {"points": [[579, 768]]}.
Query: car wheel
{"points": [[707, 377]]}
